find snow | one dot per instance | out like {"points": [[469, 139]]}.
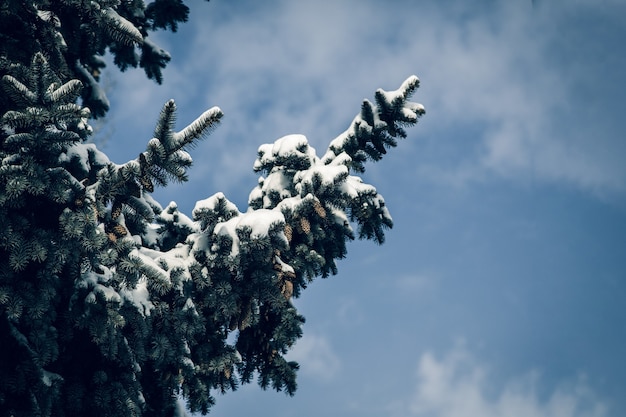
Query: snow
{"points": [[292, 204], [378, 124], [341, 159], [277, 185], [340, 217], [188, 362], [289, 146], [97, 93], [151, 236], [96, 155], [155, 146], [286, 268], [416, 108], [76, 151], [354, 187], [171, 214], [152, 202], [120, 24], [337, 144], [109, 293], [277, 182], [189, 304], [156, 50], [400, 93], [229, 229], [48, 16], [199, 127], [48, 377], [260, 222], [147, 256], [172, 260], [94, 280], [139, 297], [183, 157], [324, 175], [408, 114], [212, 204], [257, 192]]}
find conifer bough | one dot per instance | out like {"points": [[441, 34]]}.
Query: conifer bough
{"points": [[110, 304]]}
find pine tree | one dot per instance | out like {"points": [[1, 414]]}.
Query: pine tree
{"points": [[110, 304]]}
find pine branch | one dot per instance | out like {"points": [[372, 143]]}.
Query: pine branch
{"points": [[41, 75], [165, 156], [20, 93], [120, 29], [67, 93], [146, 299], [94, 96], [199, 128], [374, 129], [167, 13], [165, 124], [153, 59]]}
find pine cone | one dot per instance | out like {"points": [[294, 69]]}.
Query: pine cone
{"points": [[305, 225], [288, 232], [319, 209], [146, 183], [96, 213], [116, 210], [119, 230], [287, 289], [245, 319], [144, 179]]}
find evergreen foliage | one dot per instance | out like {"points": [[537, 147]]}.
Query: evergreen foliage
{"points": [[110, 304]]}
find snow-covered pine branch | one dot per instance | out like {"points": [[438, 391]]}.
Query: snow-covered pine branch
{"points": [[68, 92], [377, 126], [153, 59], [201, 127], [20, 94], [96, 95], [120, 29], [132, 304], [165, 156]]}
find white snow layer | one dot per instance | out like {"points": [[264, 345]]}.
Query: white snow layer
{"points": [[139, 297], [171, 214], [324, 176], [259, 222], [283, 148], [212, 204], [400, 93], [85, 153], [94, 280]]}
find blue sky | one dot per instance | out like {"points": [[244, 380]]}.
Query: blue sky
{"points": [[500, 290]]}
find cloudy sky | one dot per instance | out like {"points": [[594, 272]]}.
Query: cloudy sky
{"points": [[500, 291]]}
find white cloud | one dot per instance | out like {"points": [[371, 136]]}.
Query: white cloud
{"points": [[415, 283], [487, 74], [458, 386], [316, 357], [494, 77], [350, 312]]}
